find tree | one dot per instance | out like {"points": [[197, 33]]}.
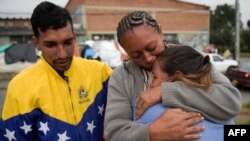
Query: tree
{"points": [[245, 40], [222, 26]]}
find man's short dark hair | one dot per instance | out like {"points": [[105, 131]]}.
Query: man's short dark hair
{"points": [[47, 15]]}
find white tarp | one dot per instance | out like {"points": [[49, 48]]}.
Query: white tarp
{"points": [[109, 53]]}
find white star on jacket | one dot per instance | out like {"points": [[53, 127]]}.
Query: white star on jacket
{"points": [[44, 127], [26, 128], [63, 136], [10, 135], [101, 109], [91, 126]]}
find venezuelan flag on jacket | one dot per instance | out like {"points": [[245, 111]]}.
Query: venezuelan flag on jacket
{"points": [[41, 105]]}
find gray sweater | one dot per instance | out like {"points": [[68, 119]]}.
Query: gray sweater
{"points": [[221, 103]]}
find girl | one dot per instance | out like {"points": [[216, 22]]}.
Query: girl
{"points": [[186, 65]]}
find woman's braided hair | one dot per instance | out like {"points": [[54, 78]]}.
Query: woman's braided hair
{"points": [[135, 19]]}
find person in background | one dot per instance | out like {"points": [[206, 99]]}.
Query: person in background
{"points": [[141, 37], [183, 64], [61, 97], [88, 52]]}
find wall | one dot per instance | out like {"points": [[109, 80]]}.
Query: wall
{"points": [[4, 40], [102, 16]]}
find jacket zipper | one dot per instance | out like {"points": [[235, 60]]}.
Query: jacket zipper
{"points": [[71, 102], [72, 106]]}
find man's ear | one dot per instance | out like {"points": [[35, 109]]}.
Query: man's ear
{"points": [[35, 42]]}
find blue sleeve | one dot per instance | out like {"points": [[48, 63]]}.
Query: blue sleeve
{"points": [[20, 127]]}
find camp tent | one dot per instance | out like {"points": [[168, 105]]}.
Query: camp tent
{"points": [[16, 57]]}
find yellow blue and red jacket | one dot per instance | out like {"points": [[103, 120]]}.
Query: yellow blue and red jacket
{"points": [[43, 106]]}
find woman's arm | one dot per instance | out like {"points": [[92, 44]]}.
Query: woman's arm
{"points": [[118, 122]]}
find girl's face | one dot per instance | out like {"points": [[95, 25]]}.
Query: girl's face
{"points": [[142, 44], [159, 75]]}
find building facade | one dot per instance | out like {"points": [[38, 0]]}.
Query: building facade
{"points": [[15, 30], [181, 22]]}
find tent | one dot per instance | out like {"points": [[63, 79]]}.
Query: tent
{"points": [[5, 47], [20, 52], [16, 57]]}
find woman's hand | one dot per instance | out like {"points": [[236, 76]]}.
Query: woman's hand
{"points": [[176, 125], [146, 99]]}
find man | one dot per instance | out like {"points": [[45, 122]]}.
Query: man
{"points": [[61, 97]]}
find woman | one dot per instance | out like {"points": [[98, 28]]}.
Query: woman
{"points": [[142, 39], [186, 65]]}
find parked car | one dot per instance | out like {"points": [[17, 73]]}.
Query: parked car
{"points": [[239, 75], [220, 63]]}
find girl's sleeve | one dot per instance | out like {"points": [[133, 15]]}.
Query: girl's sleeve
{"points": [[219, 104]]}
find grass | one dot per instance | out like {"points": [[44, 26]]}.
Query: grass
{"points": [[245, 55], [243, 122], [245, 111]]}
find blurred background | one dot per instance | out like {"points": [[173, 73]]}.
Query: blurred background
{"points": [[220, 29]]}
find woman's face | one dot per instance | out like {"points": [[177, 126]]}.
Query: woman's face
{"points": [[142, 44]]}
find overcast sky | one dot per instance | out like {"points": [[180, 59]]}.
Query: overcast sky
{"points": [[14, 6], [26, 6], [244, 6]]}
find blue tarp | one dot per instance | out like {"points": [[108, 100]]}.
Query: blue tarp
{"points": [[4, 47]]}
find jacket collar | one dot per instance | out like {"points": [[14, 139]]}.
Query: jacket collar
{"points": [[67, 73]]}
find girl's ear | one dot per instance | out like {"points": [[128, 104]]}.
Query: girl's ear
{"points": [[175, 76], [178, 74]]}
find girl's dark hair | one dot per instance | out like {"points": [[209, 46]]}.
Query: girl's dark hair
{"points": [[47, 15], [195, 68], [135, 19]]}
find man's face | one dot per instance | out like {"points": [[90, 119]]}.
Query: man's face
{"points": [[142, 44], [57, 47]]}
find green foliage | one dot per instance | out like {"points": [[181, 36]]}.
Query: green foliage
{"points": [[245, 40], [222, 22], [222, 29]]}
